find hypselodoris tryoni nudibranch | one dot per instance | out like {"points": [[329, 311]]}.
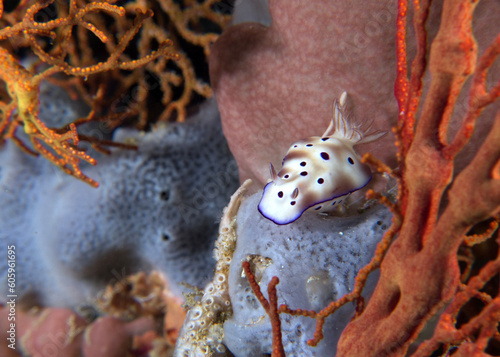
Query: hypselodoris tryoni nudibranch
{"points": [[318, 172]]}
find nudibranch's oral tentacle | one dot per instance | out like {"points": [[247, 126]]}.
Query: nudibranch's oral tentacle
{"points": [[318, 172]]}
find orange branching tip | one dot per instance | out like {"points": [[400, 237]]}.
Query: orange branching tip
{"points": [[22, 108]]}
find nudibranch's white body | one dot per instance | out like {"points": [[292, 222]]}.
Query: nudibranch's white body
{"points": [[318, 172]]}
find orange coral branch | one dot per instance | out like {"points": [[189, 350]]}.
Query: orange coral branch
{"points": [[191, 14], [479, 173], [478, 99], [378, 165], [401, 85], [25, 96], [271, 307], [474, 239], [112, 62], [410, 96], [420, 270], [446, 332], [360, 279], [23, 86]]}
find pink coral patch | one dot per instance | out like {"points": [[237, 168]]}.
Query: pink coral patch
{"points": [[276, 84]]}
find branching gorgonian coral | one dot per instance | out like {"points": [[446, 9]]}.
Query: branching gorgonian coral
{"points": [[118, 59], [425, 259], [21, 107]]}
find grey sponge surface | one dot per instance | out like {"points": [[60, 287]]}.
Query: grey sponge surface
{"points": [[156, 208], [316, 259]]}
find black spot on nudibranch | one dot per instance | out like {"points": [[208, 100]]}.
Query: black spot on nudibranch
{"points": [[165, 237], [164, 195], [286, 176], [280, 194], [295, 146], [351, 161], [334, 202], [325, 156], [293, 203], [317, 208], [303, 163], [309, 145], [324, 139], [303, 173], [320, 180]]}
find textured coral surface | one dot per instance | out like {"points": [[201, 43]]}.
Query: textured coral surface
{"points": [[316, 259], [157, 207]]}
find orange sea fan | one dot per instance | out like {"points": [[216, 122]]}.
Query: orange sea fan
{"points": [[23, 85], [440, 210], [420, 272], [69, 37]]}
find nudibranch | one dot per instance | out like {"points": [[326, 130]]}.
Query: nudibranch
{"points": [[318, 172]]}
